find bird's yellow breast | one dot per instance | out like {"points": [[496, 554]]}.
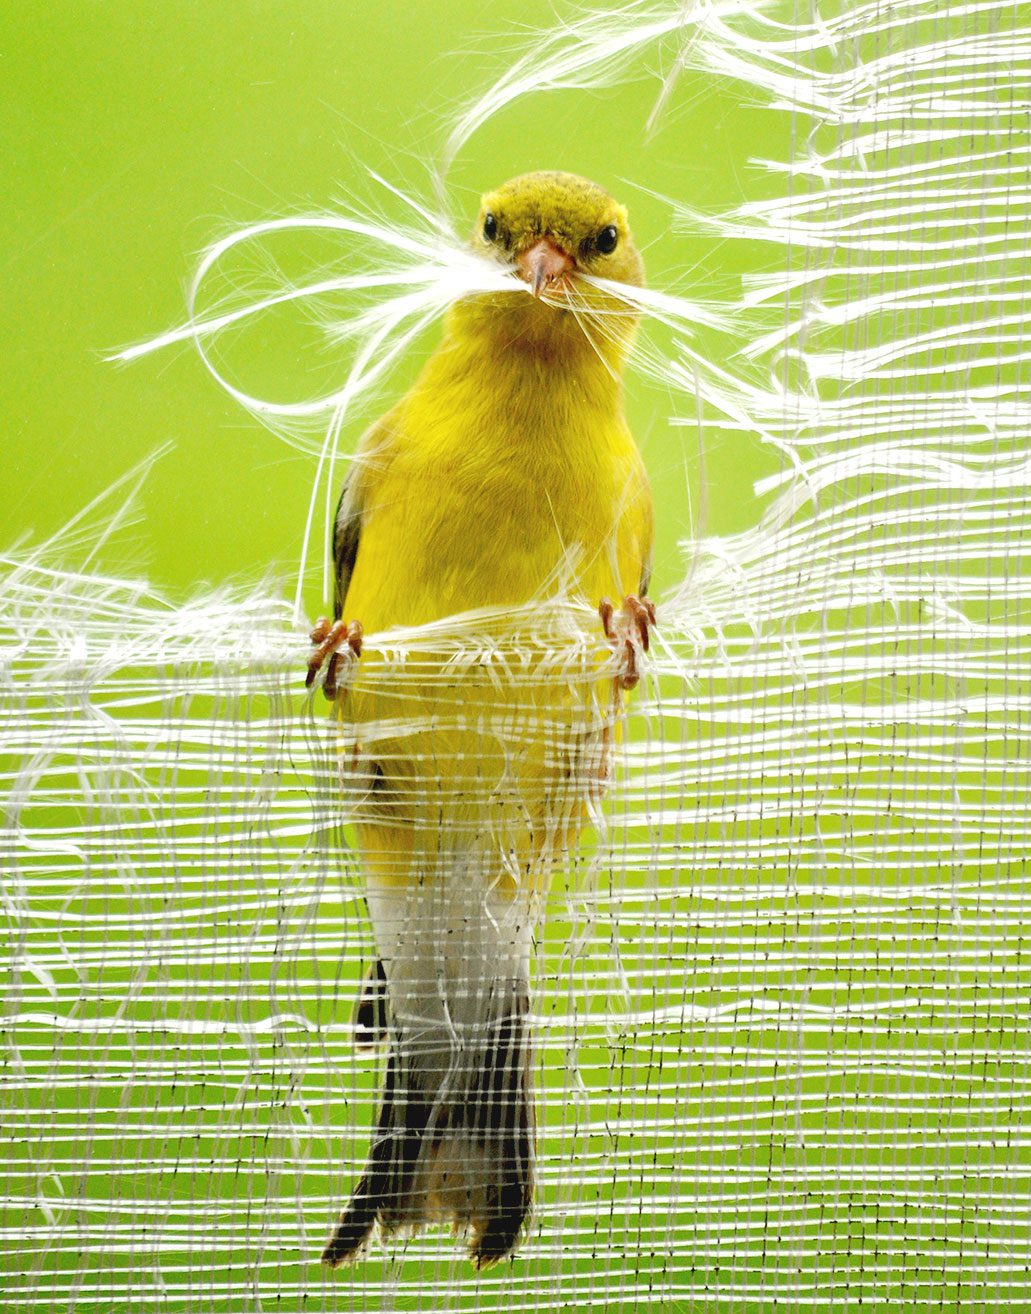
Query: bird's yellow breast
{"points": [[499, 478]]}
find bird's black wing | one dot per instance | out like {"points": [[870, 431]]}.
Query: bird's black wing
{"points": [[346, 535]]}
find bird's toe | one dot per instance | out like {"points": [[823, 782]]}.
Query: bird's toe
{"points": [[629, 632], [329, 638]]}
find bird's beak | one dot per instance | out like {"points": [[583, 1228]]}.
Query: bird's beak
{"points": [[543, 264]]}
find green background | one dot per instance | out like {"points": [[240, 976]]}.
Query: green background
{"points": [[134, 134]]}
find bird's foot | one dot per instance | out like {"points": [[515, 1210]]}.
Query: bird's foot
{"points": [[628, 631], [330, 639]]}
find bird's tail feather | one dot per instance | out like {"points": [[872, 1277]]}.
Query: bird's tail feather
{"points": [[455, 1136]]}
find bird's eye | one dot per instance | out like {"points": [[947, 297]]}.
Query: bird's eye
{"points": [[607, 239], [490, 228]]}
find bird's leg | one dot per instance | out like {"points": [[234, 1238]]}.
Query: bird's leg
{"points": [[628, 631], [328, 638]]}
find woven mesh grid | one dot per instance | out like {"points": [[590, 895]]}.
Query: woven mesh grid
{"points": [[782, 1002]]}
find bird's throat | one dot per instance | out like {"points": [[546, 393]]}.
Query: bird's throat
{"points": [[541, 336], [534, 373]]}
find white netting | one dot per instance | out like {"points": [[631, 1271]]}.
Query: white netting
{"points": [[783, 1007]]}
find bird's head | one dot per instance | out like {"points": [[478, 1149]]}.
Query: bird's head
{"points": [[552, 229]]}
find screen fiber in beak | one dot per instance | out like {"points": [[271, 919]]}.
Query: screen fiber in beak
{"points": [[543, 264]]}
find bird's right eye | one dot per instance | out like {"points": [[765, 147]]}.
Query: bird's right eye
{"points": [[490, 228]]}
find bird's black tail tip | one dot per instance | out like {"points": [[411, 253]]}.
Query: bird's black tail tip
{"points": [[496, 1236], [353, 1230], [467, 1160]]}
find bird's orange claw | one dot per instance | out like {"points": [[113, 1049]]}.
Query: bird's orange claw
{"points": [[628, 630], [328, 638]]}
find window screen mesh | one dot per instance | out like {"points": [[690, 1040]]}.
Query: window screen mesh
{"points": [[782, 1003]]}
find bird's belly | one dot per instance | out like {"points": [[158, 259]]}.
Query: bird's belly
{"points": [[487, 744]]}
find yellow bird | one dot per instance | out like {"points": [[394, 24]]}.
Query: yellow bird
{"points": [[506, 479]]}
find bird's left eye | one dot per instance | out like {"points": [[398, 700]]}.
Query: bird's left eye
{"points": [[490, 228], [607, 239]]}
